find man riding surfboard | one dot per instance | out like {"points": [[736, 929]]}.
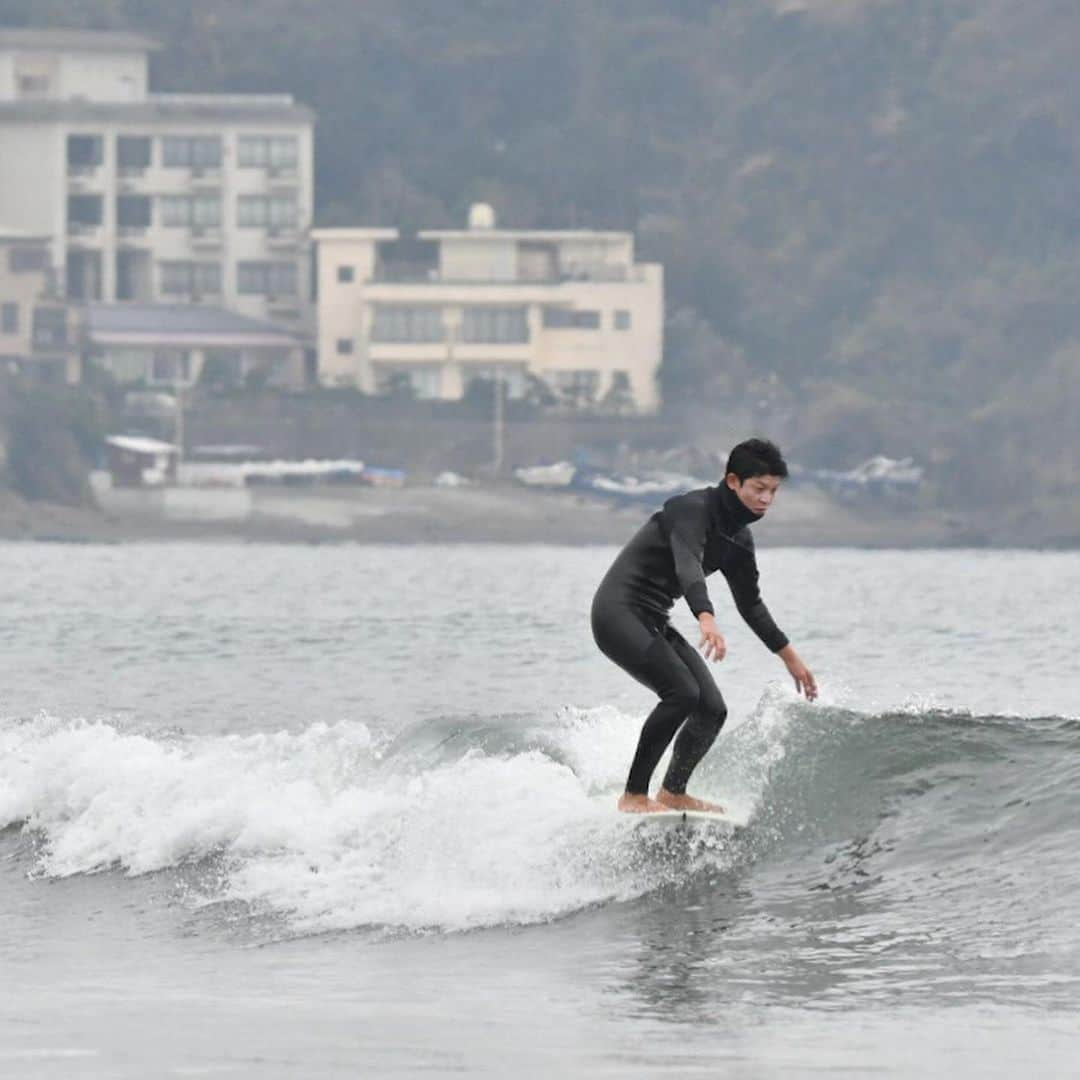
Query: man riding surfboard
{"points": [[670, 556]]}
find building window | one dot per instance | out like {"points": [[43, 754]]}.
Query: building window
{"points": [[28, 260], [191, 151], [190, 278], [171, 366], [512, 377], [133, 270], [408, 323], [33, 85], [128, 365], [495, 325], [82, 274], [85, 151], [419, 380], [267, 278], [622, 319], [133, 211], [344, 346], [133, 152], [345, 274], [84, 210], [9, 318], [50, 327], [199, 211], [560, 318], [273, 211], [578, 387], [268, 151]]}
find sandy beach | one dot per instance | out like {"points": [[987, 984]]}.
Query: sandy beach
{"points": [[504, 513]]}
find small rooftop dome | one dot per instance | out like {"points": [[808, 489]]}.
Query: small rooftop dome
{"points": [[481, 216]]}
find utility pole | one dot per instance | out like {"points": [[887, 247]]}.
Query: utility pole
{"points": [[178, 390], [498, 421]]}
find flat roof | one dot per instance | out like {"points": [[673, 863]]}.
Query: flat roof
{"points": [[76, 40], [523, 234], [359, 233], [162, 109], [182, 324]]}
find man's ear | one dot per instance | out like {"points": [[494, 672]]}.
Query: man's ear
{"points": [[732, 481]]}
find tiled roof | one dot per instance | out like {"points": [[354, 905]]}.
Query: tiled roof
{"points": [[182, 322]]}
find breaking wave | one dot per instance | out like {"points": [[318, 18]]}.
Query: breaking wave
{"points": [[474, 822]]}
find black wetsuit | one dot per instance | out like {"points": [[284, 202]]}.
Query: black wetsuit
{"points": [[670, 556]]}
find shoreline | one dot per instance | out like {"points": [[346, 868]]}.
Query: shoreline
{"points": [[501, 514]]}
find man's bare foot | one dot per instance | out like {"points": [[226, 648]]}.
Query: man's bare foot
{"points": [[670, 801], [639, 804]]}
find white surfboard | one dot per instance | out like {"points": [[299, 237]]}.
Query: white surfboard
{"points": [[684, 818]]}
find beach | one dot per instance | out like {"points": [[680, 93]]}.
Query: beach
{"points": [[508, 513]]}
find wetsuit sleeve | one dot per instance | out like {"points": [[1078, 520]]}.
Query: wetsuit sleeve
{"points": [[742, 577], [684, 519]]}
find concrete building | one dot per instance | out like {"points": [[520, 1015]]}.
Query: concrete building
{"points": [[149, 197], [159, 345], [39, 333], [570, 307]]}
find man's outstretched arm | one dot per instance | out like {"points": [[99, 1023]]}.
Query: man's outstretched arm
{"points": [[743, 580], [803, 676]]}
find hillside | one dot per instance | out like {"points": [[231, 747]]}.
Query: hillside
{"points": [[869, 210]]}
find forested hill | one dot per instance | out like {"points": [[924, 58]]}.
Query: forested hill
{"points": [[869, 210]]}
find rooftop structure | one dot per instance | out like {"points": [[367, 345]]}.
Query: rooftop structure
{"points": [[569, 307]]}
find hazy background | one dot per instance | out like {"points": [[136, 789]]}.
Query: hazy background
{"points": [[868, 210]]}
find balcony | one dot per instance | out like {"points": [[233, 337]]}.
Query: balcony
{"points": [[432, 275], [205, 176], [83, 230], [284, 237], [207, 237], [51, 339], [83, 177], [129, 177]]}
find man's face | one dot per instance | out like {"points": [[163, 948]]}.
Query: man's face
{"points": [[755, 492]]}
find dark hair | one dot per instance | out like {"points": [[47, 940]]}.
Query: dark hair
{"points": [[756, 457]]}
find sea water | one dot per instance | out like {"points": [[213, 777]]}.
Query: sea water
{"points": [[348, 810]]}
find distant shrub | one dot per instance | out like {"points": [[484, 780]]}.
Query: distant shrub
{"points": [[54, 436]]}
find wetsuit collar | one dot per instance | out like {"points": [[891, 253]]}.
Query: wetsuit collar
{"points": [[734, 511]]}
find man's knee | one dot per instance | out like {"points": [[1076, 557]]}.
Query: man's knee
{"points": [[686, 695], [712, 707]]}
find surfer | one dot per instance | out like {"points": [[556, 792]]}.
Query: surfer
{"points": [[670, 556]]}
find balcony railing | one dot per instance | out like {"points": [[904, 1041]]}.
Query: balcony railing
{"points": [[207, 236], [431, 275], [51, 339]]}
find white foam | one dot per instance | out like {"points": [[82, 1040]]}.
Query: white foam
{"points": [[314, 826]]}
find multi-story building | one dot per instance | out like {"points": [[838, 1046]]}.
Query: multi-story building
{"points": [[151, 197], [39, 333], [570, 307]]}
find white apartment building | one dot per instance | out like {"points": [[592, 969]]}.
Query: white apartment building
{"points": [[571, 307], [149, 197]]}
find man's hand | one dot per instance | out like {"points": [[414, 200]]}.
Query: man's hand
{"points": [[803, 676], [711, 638]]}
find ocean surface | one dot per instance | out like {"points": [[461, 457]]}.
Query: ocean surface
{"points": [[328, 811]]}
